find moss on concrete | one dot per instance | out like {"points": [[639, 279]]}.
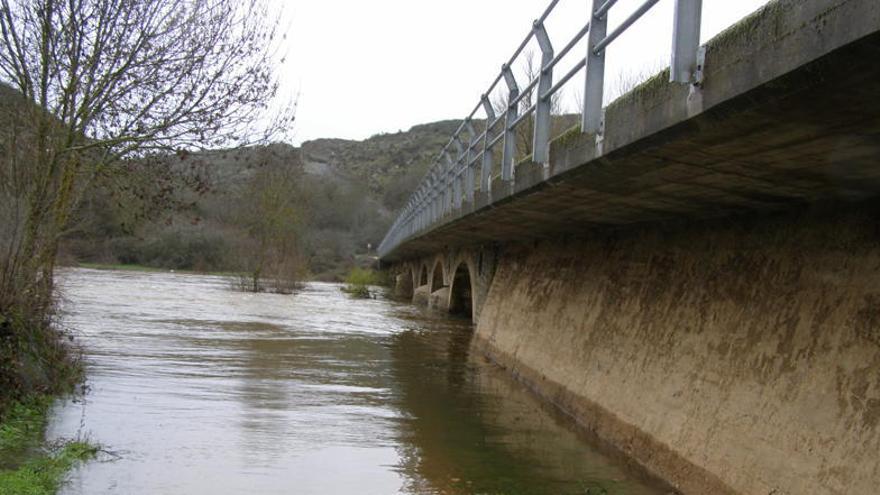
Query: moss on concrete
{"points": [[568, 137], [748, 25], [650, 89]]}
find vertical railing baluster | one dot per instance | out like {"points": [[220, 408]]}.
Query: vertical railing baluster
{"points": [[593, 88], [457, 175], [685, 40], [469, 171], [509, 150], [486, 170], [433, 180], [447, 201], [543, 107]]}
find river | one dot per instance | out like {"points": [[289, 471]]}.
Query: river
{"points": [[194, 388]]}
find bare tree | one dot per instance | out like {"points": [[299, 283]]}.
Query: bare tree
{"points": [[272, 214], [90, 85]]}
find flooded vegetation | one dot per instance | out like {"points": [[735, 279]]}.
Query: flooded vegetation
{"points": [[194, 388]]}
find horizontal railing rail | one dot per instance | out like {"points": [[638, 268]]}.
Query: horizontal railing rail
{"points": [[451, 180]]}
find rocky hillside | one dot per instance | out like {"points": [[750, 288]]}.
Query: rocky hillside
{"points": [[384, 163], [347, 194]]}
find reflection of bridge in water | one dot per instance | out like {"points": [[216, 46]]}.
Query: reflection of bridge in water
{"points": [[688, 270]]}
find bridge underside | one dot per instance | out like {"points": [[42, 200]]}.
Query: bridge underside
{"points": [[808, 135]]}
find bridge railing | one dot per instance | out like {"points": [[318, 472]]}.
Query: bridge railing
{"points": [[451, 180]]}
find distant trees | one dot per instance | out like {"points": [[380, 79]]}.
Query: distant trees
{"points": [[271, 214], [96, 88]]}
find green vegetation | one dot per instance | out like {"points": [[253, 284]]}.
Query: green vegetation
{"points": [[26, 466], [363, 276], [34, 357], [147, 269], [120, 266], [359, 280]]}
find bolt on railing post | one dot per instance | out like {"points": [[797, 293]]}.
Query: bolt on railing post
{"points": [[509, 150], [469, 171], [543, 107], [486, 169], [593, 88], [685, 40]]}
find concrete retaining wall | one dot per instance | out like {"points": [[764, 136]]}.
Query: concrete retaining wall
{"points": [[738, 356]]}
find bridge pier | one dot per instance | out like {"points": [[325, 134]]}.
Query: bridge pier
{"points": [[455, 280]]}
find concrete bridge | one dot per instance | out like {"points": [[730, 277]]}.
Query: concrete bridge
{"points": [[692, 272]]}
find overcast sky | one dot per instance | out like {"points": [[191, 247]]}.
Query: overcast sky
{"points": [[366, 67]]}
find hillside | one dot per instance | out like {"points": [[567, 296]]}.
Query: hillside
{"points": [[345, 194]]}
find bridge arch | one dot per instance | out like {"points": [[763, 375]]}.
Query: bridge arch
{"points": [[461, 292]]}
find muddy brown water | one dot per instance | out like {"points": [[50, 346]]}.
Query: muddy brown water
{"points": [[197, 389]]}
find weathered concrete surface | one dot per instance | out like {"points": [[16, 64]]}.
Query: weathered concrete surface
{"points": [[728, 357], [439, 299], [421, 295], [788, 114], [403, 286]]}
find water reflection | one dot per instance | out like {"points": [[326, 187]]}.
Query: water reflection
{"points": [[471, 429], [204, 390]]}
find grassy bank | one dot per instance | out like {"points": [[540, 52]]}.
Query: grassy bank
{"points": [[29, 466], [359, 280], [111, 266]]}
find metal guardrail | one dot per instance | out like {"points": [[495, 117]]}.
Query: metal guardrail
{"points": [[451, 179]]}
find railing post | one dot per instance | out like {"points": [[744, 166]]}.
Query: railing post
{"points": [[595, 80], [433, 182], [438, 194], [509, 152], [469, 171], [457, 175], [543, 106], [486, 170], [422, 220], [417, 221], [685, 40], [447, 200]]}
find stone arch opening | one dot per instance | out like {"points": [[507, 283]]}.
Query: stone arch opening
{"points": [[423, 275], [437, 277], [461, 296]]}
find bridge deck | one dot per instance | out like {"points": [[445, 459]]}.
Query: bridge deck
{"points": [[789, 115]]}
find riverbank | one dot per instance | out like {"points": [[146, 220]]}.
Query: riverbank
{"points": [[29, 465], [144, 268]]}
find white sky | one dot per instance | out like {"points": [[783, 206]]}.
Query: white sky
{"points": [[363, 67]]}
